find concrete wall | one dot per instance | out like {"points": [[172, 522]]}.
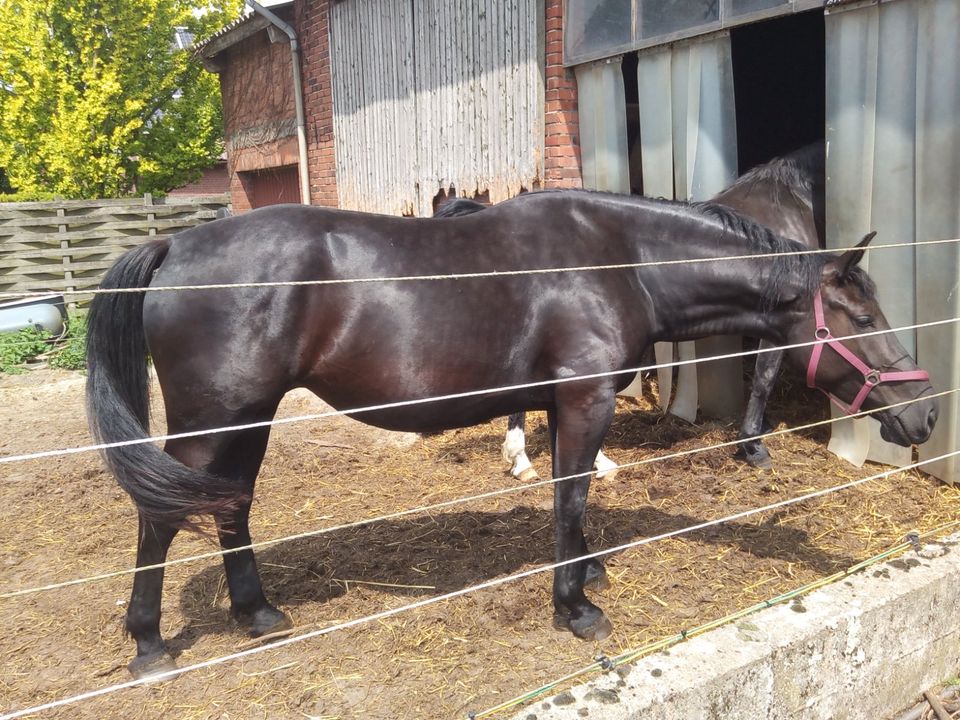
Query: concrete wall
{"points": [[864, 647]]}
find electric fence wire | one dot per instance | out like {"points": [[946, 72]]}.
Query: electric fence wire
{"points": [[468, 275]]}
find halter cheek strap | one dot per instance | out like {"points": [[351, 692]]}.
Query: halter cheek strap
{"points": [[871, 377]]}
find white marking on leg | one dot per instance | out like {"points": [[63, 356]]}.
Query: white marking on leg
{"points": [[605, 466], [514, 444], [514, 452]]}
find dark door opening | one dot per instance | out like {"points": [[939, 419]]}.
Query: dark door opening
{"points": [[779, 84]]}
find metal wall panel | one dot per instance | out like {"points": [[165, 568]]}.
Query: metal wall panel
{"points": [[430, 95]]}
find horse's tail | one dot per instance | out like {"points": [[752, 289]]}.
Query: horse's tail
{"points": [[118, 401]]}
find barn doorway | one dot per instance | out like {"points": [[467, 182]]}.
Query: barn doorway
{"points": [[779, 86]]}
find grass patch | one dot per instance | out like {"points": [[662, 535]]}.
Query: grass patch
{"points": [[19, 347]]}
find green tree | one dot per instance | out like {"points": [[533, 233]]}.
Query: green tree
{"points": [[96, 100]]}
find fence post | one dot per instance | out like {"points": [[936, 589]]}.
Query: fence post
{"points": [[151, 217], [65, 259]]}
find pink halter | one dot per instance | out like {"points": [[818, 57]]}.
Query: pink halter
{"points": [[871, 377]]}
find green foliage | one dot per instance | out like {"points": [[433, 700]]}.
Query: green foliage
{"points": [[35, 196], [16, 348], [96, 101], [71, 352], [67, 352]]}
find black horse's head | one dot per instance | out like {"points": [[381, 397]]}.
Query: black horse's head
{"points": [[869, 368]]}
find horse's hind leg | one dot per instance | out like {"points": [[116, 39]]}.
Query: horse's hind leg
{"points": [[764, 378], [514, 449], [234, 455], [143, 612], [247, 600], [578, 425]]}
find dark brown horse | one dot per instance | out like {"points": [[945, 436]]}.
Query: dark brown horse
{"points": [[785, 195], [226, 357]]}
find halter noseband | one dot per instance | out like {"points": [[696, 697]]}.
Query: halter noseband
{"points": [[871, 377]]}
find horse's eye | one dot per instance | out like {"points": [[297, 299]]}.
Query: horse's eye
{"points": [[864, 321]]}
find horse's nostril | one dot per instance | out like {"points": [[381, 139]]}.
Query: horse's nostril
{"points": [[932, 417]]}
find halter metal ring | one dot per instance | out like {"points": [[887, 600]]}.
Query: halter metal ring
{"points": [[872, 377], [822, 333]]}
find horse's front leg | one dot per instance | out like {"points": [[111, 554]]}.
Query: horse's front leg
{"points": [[577, 426], [143, 612], [514, 449], [764, 377]]}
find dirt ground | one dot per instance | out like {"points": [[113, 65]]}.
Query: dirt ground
{"points": [[64, 518]]}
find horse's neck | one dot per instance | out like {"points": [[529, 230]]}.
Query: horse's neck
{"points": [[723, 297]]}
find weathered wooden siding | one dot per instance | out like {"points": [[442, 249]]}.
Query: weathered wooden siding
{"points": [[435, 94], [69, 244]]}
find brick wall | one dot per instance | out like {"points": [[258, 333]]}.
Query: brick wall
{"points": [[214, 181], [312, 24], [561, 160], [256, 84]]}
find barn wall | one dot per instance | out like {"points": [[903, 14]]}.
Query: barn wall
{"points": [[432, 95]]}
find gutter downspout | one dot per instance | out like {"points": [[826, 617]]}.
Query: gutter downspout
{"points": [[297, 96]]}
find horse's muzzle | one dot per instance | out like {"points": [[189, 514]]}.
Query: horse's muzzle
{"points": [[913, 425]]}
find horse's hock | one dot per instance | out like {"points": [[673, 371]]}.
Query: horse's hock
{"points": [[859, 648]]}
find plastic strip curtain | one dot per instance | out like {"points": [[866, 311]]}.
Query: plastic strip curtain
{"points": [[689, 152], [603, 126], [893, 143]]}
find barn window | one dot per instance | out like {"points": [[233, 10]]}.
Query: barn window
{"points": [[607, 27]]}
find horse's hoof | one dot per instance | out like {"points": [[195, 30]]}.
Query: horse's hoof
{"points": [[528, 475], [147, 666], [757, 456], [267, 623], [599, 629], [607, 474]]}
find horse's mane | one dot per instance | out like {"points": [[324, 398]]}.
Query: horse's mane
{"points": [[762, 240], [458, 207], [795, 173]]}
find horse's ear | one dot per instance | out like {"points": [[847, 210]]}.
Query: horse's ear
{"points": [[852, 257]]}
